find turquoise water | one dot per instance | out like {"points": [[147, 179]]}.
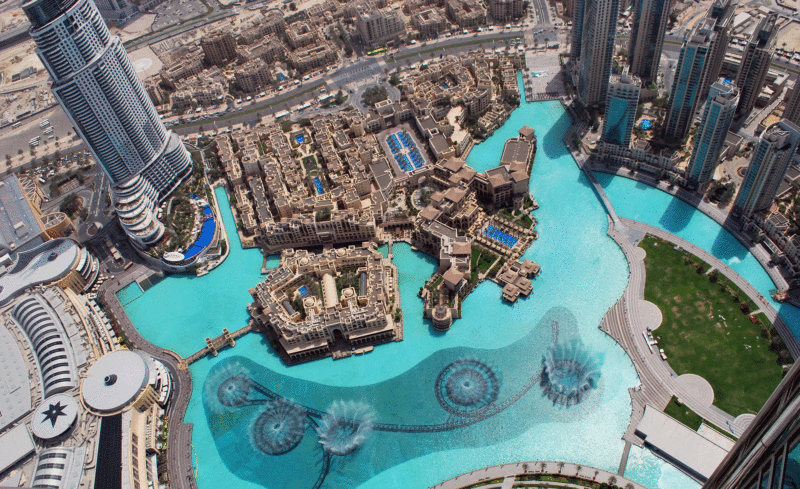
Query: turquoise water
{"points": [[643, 203], [179, 312], [583, 274]]}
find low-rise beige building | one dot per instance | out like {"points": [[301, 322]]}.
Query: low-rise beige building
{"points": [[314, 305]]}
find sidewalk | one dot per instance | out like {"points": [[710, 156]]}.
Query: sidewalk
{"points": [[508, 472]]}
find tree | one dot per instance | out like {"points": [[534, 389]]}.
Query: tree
{"points": [[19, 151], [292, 6], [595, 474], [543, 465], [612, 480], [578, 469], [560, 466]]}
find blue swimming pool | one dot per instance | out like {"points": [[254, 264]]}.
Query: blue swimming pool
{"points": [[318, 186], [299, 138], [400, 388], [205, 236], [304, 291], [281, 77], [646, 124], [501, 236], [445, 85]]}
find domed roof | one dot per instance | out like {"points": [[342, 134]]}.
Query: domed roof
{"points": [[114, 381]]}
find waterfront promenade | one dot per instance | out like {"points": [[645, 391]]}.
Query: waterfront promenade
{"points": [[632, 316], [179, 437], [509, 472]]}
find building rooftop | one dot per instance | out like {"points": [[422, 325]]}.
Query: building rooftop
{"points": [[114, 381], [55, 416], [19, 224], [43, 264], [693, 453], [15, 390], [17, 444]]}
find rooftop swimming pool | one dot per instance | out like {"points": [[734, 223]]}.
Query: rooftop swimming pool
{"points": [[416, 412], [299, 138]]}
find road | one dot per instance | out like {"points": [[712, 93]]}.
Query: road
{"points": [[179, 437]]}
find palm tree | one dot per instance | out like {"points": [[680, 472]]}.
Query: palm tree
{"points": [[525, 467], [543, 465], [578, 469], [560, 466], [595, 474], [628, 486], [612, 480]]}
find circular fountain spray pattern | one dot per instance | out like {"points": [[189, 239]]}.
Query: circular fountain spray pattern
{"points": [[233, 391], [465, 387], [345, 427], [278, 428], [569, 373]]}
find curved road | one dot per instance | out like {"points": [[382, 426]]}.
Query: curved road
{"points": [[179, 448]]}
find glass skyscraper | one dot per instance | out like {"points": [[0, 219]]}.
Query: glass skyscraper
{"points": [[771, 158], [621, 105], [650, 18], [767, 455], [717, 117], [756, 59], [686, 86], [96, 85], [597, 49]]}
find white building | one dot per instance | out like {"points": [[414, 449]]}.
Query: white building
{"points": [[96, 85]]}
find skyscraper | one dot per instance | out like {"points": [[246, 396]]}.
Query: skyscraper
{"points": [[94, 81], [597, 49], [717, 117], [650, 18], [768, 166], [686, 86], [578, 9], [756, 59], [767, 453], [791, 103], [621, 105], [719, 21]]}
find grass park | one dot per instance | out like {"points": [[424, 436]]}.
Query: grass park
{"points": [[708, 329]]}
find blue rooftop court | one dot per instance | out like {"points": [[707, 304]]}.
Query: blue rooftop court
{"points": [[501, 236]]}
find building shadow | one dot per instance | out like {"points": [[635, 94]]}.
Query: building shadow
{"points": [[676, 216], [727, 248]]}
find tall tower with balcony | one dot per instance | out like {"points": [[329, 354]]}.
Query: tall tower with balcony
{"points": [[96, 85]]}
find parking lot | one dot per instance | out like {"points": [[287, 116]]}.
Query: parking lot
{"points": [[173, 12]]}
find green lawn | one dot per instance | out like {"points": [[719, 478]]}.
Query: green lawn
{"points": [[705, 332]]}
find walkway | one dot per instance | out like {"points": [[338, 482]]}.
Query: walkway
{"points": [[508, 472], [179, 461], [626, 322], [710, 210]]}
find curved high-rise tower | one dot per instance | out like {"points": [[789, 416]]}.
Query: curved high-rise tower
{"points": [[95, 83]]}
